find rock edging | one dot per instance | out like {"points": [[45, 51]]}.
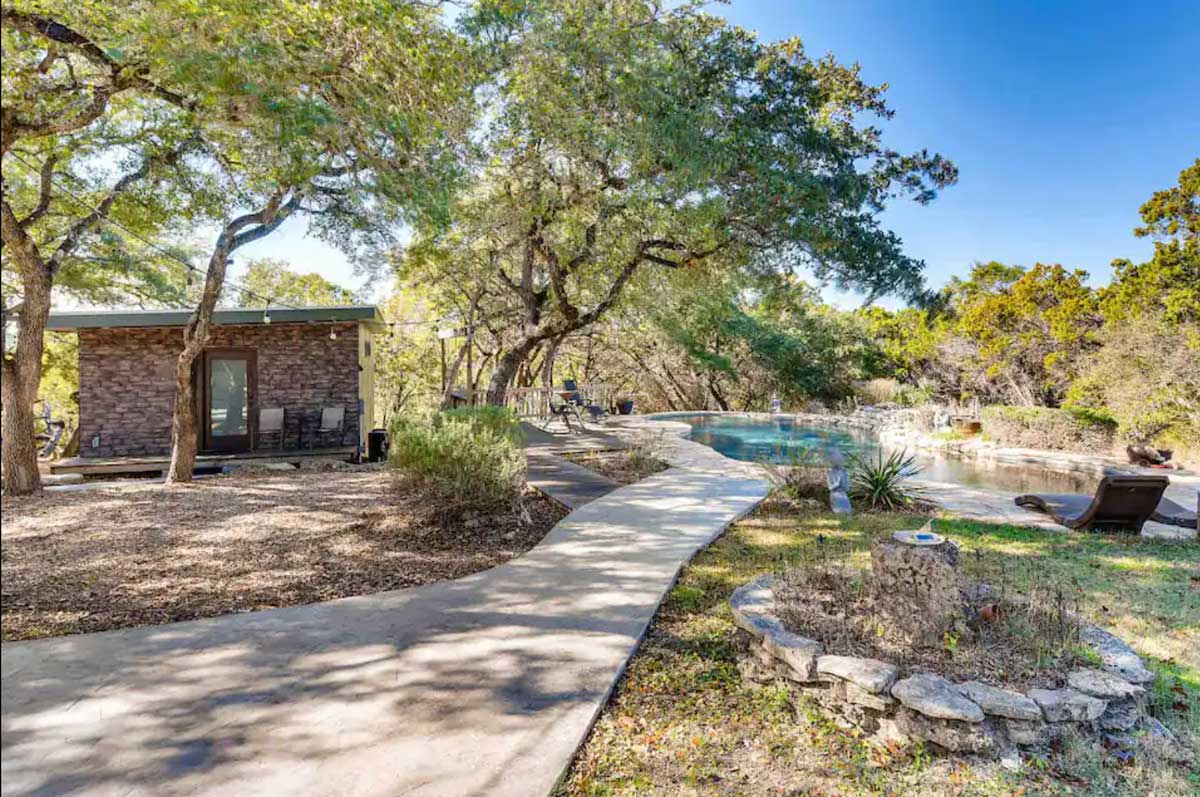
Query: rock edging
{"points": [[962, 717]]}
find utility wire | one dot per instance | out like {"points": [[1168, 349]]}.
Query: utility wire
{"points": [[269, 301], [151, 244]]}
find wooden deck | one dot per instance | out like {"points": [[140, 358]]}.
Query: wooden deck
{"points": [[102, 466]]}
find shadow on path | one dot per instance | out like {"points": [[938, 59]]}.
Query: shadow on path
{"points": [[484, 685]]}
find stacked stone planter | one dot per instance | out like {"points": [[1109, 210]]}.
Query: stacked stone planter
{"points": [[969, 717]]}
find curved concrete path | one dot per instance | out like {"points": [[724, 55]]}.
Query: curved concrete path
{"points": [[571, 485], [481, 686]]}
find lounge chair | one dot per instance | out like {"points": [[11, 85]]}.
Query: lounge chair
{"points": [[1121, 503], [1173, 514], [566, 410], [572, 394]]}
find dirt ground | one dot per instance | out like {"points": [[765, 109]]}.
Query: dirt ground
{"points": [[140, 554], [623, 467]]}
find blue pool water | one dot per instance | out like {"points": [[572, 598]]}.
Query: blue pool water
{"points": [[780, 439]]}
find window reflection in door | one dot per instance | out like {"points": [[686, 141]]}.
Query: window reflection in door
{"points": [[227, 392]]}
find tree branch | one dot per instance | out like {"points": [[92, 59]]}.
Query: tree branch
{"points": [[124, 76], [76, 232], [47, 175], [118, 78]]}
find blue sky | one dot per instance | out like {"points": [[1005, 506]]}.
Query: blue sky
{"points": [[1063, 117]]}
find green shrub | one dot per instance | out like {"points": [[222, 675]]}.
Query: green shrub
{"points": [[501, 420], [1070, 429], [913, 396], [468, 459], [883, 483]]}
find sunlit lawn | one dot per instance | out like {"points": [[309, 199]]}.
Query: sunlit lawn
{"points": [[683, 723]]}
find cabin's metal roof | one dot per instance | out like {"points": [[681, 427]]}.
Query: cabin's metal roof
{"points": [[113, 319]]}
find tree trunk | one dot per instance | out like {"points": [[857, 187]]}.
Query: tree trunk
{"points": [[195, 335], [21, 476], [184, 442], [452, 375], [184, 438], [716, 394], [507, 368], [548, 363], [22, 368]]}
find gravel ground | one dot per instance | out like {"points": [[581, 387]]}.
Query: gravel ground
{"points": [[142, 554]]}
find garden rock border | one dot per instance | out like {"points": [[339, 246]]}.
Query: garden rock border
{"points": [[969, 717]]}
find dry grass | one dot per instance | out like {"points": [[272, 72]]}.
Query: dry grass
{"points": [[682, 722], [626, 466], [143, 555], [1027, 644]]}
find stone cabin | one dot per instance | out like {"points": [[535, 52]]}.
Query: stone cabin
{"points": [[297, 360]]}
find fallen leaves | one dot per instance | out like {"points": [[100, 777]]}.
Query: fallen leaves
{"points": [[141, 555]]}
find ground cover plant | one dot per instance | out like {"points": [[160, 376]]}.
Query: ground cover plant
{"points": [[681, 722], [1024, 639], [117, 557], [628, 465], [1071, 429]]}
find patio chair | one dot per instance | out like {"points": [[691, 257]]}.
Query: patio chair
{"points": [[1173, 514], [571, 388], [574, 395], [270, 424], [1121, 503], [333, 421], [566, 410]]}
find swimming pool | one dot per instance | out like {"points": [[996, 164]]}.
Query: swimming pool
{"points": [[780, 439]]}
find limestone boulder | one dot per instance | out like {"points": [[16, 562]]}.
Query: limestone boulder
{"points": [[934, 696], [798, 654], [1000, 702], [1117, 657], [872, 675], [1068, 705], [958, 737], [1101, 684]]}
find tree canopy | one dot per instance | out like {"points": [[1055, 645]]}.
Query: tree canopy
{"points": [[626, 137], [123, 121], [269, 279]]}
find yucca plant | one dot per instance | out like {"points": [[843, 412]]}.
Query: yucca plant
{"points": [[881, 483]]}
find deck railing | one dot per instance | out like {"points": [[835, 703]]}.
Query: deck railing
{"points": [[534, 402]]}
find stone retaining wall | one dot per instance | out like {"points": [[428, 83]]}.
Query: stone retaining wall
{"points": [[968, 717]]}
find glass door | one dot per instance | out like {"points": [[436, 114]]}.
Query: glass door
{"points": [[228, 400]]}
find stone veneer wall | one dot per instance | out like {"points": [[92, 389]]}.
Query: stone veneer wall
{"points": [[967, 717], [127, 381]]}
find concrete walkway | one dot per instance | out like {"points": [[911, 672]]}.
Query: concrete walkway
{"points": [[481, 686], [571, 485], [561, 441]]}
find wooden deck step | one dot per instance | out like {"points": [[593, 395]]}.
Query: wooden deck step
{"points": [[107, 466]]}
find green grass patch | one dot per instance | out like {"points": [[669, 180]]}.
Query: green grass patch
{"points": [[682, 722]]}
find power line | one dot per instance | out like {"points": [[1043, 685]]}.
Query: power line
{"points": [[269, 301], [151, 244]]}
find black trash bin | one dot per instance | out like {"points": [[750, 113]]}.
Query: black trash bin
{"points": [[377, 445]]}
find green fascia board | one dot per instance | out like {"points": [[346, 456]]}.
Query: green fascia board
{"points": [[116, 319]]}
